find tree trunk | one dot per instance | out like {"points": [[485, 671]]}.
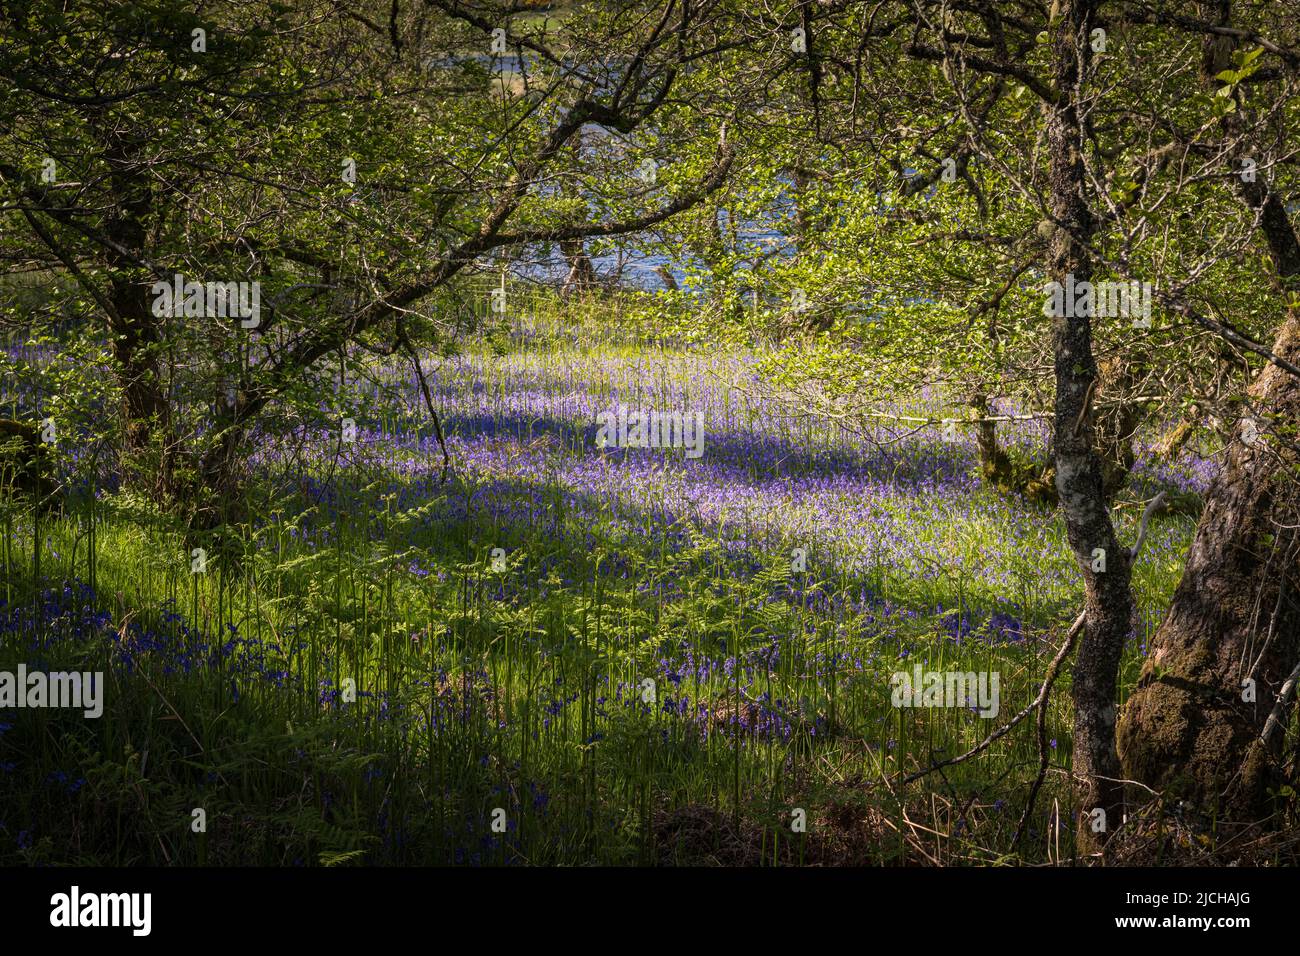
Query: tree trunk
{"points": [[149, 452], [146, 415], [1117, 425], [1001, 471], [221, 473], [1108, 604], [995, 464], [1235, 617], [581, 275], [1191, 728]]}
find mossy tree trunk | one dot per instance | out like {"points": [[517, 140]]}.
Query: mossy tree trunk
{"points": [[1193, 725], [1001, 471], [1117, 425], [1196, 725]]}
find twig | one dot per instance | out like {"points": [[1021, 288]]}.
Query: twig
{"points": [[1005, 728], [1054, 671], [428, 400], [1155, 503], [1040, 703], [1275, 715]]}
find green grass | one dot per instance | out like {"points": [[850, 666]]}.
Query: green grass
{"points": [[521, 689]]}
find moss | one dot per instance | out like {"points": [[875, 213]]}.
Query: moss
{"points": [[1173, 440], [1020, 475], [1180, 735]]}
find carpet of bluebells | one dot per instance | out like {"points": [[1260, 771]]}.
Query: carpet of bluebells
{"points": [[557, 653]]}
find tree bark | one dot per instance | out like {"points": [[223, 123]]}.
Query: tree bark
{"points": [[1003, 473], [1118, 425], [1235, 616], [137, 336], [221, 478], [1191, 729], [1108, 604]]}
